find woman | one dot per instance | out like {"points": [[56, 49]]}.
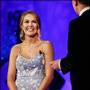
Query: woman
{"points": [[27, 65]]}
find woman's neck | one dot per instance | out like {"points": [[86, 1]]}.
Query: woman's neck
{"points": [[30, 40]]}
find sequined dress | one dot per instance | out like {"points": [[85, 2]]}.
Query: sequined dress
{"points": [[30, 72]]}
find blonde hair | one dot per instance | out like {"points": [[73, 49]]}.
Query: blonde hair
{"points": [[22, 35]]}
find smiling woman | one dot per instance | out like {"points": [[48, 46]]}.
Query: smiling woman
{"points": [[28, 59], [30, 24]]}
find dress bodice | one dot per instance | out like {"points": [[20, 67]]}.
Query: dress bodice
{"points": [[30, 72]]}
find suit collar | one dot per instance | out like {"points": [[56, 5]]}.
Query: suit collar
{"points": [[83, 10]]}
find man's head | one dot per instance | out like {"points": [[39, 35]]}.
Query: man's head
{"points": [[78, 5]]}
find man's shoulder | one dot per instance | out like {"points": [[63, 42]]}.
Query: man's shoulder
{"points": [[74, 20], [80, 21]]}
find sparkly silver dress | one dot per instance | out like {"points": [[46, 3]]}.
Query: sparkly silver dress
{"points": [[30, 72]]}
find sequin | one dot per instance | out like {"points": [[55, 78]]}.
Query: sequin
{"points": [[30, 72]]}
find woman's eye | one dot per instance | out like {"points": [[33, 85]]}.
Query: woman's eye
{"points": [[27, 21], [34, 21]]}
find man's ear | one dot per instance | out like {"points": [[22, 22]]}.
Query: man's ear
{"points": [[76, 2]]}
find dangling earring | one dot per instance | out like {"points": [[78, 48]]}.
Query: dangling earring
{"points": [[38, 34], [22, 35]]}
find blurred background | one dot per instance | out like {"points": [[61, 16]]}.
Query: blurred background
{"points": [[55, 16]]}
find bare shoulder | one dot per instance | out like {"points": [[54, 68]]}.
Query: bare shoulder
{"points": [[47, 44], [15, 49]]}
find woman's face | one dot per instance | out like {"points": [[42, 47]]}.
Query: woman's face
{"points": [[30, 25]]}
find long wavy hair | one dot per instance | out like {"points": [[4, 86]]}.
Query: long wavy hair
{"points": [[22, 34]]}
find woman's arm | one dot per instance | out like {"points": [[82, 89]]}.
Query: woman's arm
{"points": [[48, 52], [12, 69]]}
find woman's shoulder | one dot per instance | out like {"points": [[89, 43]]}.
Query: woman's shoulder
{"points": [[46, 44], [16, 47]]}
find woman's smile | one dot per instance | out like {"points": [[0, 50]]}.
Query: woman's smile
{"points": [[30, 29]]}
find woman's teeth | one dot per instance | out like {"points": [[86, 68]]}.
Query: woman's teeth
{"points": [[30, 29]]}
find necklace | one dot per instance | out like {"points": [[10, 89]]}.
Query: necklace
{"points": [[31, 47]]}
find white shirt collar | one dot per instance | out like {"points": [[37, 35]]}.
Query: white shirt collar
{"points": [[83, 10]]}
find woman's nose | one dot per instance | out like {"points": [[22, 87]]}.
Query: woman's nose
{"points": [[30, 23]]}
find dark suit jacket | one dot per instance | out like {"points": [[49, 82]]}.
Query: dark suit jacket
{"points": [[77, 59]]}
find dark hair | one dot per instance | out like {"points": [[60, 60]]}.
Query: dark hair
{"points": [[86, 2]]}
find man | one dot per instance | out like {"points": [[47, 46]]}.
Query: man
{"points": [[77, 60]]}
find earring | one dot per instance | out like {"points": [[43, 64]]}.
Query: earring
{"points": [[22, 35], [39, 33]]}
